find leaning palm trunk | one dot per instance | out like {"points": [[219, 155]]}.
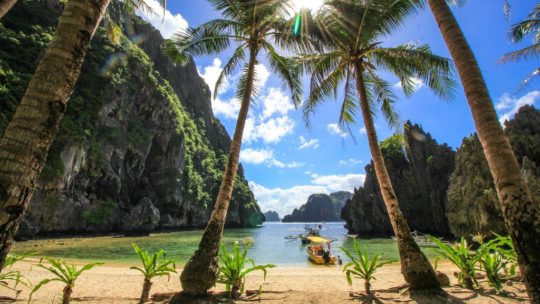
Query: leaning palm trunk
{"points": [[200, 273], [415, 266], [5, 6], [521, 214], [26, 140], [145, 295]]}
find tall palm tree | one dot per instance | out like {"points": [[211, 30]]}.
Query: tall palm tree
{"points": [[354, 56], [519, 31], [30, 133], [254, 26], [5, 6], [521, 214]]}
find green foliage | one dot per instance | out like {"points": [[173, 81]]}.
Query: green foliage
{"points": [[234, 267], [99, 213], [393, 145], [64, 273], [12, 275], [153, 265], [362, 265], [463, 257], [496, 258]]}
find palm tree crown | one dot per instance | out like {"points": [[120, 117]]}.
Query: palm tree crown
{"points": [[351, 34]]}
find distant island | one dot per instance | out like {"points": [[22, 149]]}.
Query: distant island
{"points": [[272, 216], [320, 207]]}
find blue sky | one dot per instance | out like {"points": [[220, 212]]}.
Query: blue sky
{"points": [[285, 162]]}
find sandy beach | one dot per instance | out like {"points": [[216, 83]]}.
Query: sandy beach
{"points": [[116, 284]]}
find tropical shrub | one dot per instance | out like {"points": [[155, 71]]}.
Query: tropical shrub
{"points": [[64, 273], [462, 257], [362, 266], [12, 276], [497, 259], [154, 265], [234, 266]]}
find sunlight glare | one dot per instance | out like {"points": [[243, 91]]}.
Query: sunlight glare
{"points": [[312, 5]]}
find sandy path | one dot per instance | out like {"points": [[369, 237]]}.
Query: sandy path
{"points": [[325, 285]]}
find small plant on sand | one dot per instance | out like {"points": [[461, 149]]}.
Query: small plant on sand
{"points": [[13, 276], [154, 265], [64, 273], [233, 268], [362, 266], [460, 255], [497, 259]]}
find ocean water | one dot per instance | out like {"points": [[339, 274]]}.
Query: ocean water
{"points": [[269, 245]]}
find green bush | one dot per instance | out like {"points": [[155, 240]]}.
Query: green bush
{"points": [[100, 213], [462, 257]]}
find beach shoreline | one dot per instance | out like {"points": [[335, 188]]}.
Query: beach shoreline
{"points": [[119, 284]]}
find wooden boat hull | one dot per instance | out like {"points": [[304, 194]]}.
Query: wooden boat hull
{"points": [[317, 259]]}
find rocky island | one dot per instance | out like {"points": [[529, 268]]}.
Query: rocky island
{"points": [[320, 207]]}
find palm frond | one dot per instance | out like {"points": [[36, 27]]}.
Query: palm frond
{"points": [[230, 67], [529, 52], [287, 71]]}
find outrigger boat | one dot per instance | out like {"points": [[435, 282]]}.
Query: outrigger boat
{"points": [[310, 230], [316, 252]]}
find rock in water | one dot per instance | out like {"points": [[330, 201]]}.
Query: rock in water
{"points": [[272, 216], [419, 168], [319, 207], [473, 205], [138, 148]]}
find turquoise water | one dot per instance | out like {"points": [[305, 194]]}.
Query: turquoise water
{"points": [[269, 245]]}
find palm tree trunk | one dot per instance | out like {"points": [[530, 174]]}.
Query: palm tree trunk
{"points": [[415, 266], [521, 214], [145, 295], [26, 140], [200, 272], [5, 6], [66, 298]]}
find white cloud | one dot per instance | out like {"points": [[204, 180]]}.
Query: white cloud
{"points": [[262, 75], [264, 156], [284, 200], [336, 130], [363, 130], [416, 82], [305, 144], [276, 102], [226, 108], [256, 157], [512, 105], [211, 74], [270, 131], [168, 24], [350, 162], [345, 182]]}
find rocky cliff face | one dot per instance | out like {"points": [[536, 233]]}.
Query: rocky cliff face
{"points": [[271, 216], [472, 199], [139, 148], [419, 168], [319, 207], [339, 199]]}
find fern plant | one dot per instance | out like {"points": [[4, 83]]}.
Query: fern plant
{"points": [[362, 266], [234, 267], [462, 257], [13, 276], [153, 265], [64, 273]]}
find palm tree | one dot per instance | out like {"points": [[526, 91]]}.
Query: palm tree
{"points": [[519, 31], [254, 26], [351, 31], [520, 213], [5, 6], [30, 133]]}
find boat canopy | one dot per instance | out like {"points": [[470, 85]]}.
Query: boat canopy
{"points": [[317, 239]]}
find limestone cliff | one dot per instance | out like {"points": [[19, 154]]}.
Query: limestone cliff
{"points": [[271, 216], [139, 148], [419, 168], [319, 207], [472, 199]]}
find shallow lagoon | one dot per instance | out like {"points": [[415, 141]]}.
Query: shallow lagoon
{"points": [[269, 246]]}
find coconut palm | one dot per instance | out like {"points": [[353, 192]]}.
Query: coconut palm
{"points": [[519, 31], [520, 213], [254, 26], [354, 56], [5, 6], [30, 133]]}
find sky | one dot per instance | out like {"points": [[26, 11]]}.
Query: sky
{"points": [[285, 162]]}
